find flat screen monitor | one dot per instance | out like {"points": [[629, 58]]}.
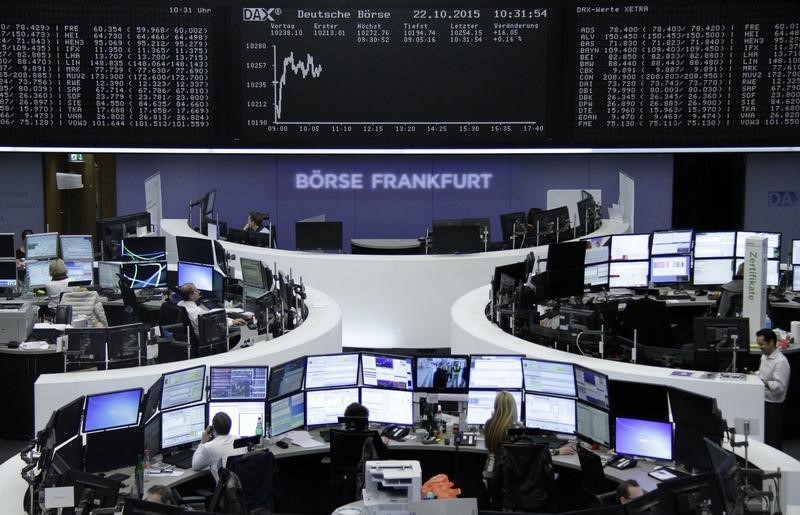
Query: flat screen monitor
{"points": [[212, 231], [199, 251], [202, 276], [507, 277], [144, 275], [773, 243], [670, 269], [153, 399], [326, 406], [68, 420], [457, 239], [241, 383], [550, 413], [77, 247], [329, 370], [549, 223], [80, 271], [124, 342], [318, 235], [245, 415], [796, 280], [773, 270], [183, 387], [37, 273], [480, 405], [441, 373], [710, 272], [643, 438], [565, 256], [87, 343], [695, 411], [638, 400], [207, 205], [548, 377], [511, 221], [108, 275], [628, 274], [388, 406], [596, 255], [592, 424], [152, 435], [495, 371], [7, 248], [287, 413], [182, 427], [714, 244], [93, 490], [566, 282], [591, 386], [212, 330], [144, 249], [386, 371], [286, 378], [112, 410], [255, 274], [796, 252], [630, 247], [672, 243], [8, 274], [42, 246], [718, 333], [596, 275]]}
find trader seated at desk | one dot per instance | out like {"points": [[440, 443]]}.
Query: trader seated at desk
{"points": [[629, 490], [255, 223], [216, 445], [359, 411], [190, 295], [59, 282], [730, 303], [160, 494]]}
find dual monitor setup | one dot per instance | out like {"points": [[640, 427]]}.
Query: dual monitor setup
{"points": [[76, 251]]}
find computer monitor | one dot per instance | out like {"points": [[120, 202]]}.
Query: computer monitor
{"points": [[796, 279], [212, 230], [448, 374], [670, 269], [41, 246], [207, 205], [318, 235], [144, 249], [507, 278], [77, 247], [286, 378], [91, 490], [111, 231], [68, 420], [717, 333], [795, 252], [643, 438], [182, 427], [714, 244], [37, 273], [550, 413], [255, 274], [638, 400], [549, 224], [696, 411], [80, 271], [124, 342], [326, 406], [549, 377], [108, 275], [457, 239], [773, 271], [202, 276], [329, 370], [630, 247], [153, 399], [508, 221], [388, 406], [183, 387], [244, 415], [287, 413], [240, 383], [596, 275], [7, 248], [8, 274], [152, 435], [773, 243], [212, 330], [672, 243], [591, 386], [87, 343], [112, 410], [596, 255], [495, 371], [628, 274], [729, 478], [144, 275], [387, 371], [68, 456], [199, 251], [592, 424], [480, 405], [712, 272]]}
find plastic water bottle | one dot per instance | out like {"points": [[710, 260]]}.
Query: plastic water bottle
{"points": [[260, 429], [767, 322], [146, 461]]}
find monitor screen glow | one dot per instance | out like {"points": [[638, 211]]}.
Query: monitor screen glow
{"points": [[388, 406], [670, 269], [112, 410], [37, 272], [441, 373], [182, 426], [796, 280], [326, 406], [796, 252], [144, 275], [42, 246], [548, 377], [714, 244], [242, 383], [708, 272], [556, 414], [202, 276], [667, 243], [386, 371], [76, 247], [645, 438], [244, 415], [495, 372], [630, 247], [773, 271], [596, 255], [80, 271], [596, 275], [108, 275], [592, 423], [591, 387], [183, 387], [331, 370], [286, 378], [632, 274], [480, 405], [287, 413], [773, 243]]}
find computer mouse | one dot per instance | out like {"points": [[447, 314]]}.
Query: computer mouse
{"points": [[13, 344], [282, 444]]}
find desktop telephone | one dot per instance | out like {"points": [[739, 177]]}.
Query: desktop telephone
{"points": [[394, 432], [465, 439]]}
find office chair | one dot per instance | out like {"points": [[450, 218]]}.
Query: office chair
{"points": [[170, 313], [86, 303], [650, 319], [131, 303], [228, 495], [258, 474], [347, 449], [598, 489], [63, 314], [523, 478]]}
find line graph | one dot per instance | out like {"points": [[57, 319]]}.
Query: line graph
{"points": [[299, 66]]}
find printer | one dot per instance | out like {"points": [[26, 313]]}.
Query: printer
{"points": [[16, 321]]}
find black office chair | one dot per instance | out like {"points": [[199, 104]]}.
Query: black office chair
{"points": [[258, 474], [523, 478], [228, 495], [650, 319], [598, 490], [347, 449], [132, 313], [170, 313]]}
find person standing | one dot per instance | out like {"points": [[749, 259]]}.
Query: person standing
{"points": [[774, 372]]}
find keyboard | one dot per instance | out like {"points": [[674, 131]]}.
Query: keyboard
{"points": [[551, 441], [674, 296], [181, 459]]}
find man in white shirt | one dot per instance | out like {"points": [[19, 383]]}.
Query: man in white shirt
{"points": [[774, 372], [190, 295], [216, 445]]}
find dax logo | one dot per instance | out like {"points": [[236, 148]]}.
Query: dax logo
{"points": [[783, 198], [259, 13]]}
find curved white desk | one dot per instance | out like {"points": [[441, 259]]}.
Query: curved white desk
{"points": [[387, 301], [321, 333], [472, 333]]}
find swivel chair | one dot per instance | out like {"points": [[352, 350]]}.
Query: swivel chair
{"points": [[597, 488], [523, 478], [258, 474], [346, 453]]}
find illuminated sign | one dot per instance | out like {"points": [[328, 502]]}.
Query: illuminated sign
{"points": [[319, 180]]}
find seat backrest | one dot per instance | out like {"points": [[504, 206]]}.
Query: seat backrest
{"points": [[170, 313], [592, 470], [650, 319], [523, 478], [258, 474], [228, 495], [85, 303], [347, 446]]}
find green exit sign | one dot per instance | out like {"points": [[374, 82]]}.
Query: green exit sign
{"points": [[75, 158]]}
